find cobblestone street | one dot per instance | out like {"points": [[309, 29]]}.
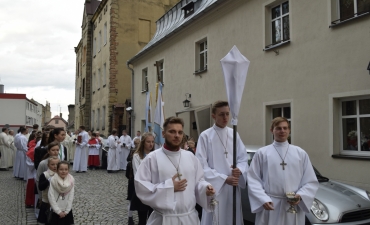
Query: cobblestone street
{"points": [[100, 198]]}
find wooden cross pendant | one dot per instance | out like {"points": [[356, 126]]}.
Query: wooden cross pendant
{"points": [[179, 175], [283, 164], [226, 154]]}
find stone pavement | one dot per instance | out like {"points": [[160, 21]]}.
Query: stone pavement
{"points": [[100, 198]]}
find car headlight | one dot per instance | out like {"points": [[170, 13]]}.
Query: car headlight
{"points": [[319, 210]]}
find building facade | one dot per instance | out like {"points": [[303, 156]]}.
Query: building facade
{"points": [[308, 63], [17, 110], [114, 32], [58, 121]]}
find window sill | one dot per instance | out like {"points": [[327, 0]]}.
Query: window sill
{"points": [[200, 71], [269, 47], [339, 22], [358, 157], [144, 91], [94, 56], [98, 89], [104, 85], [93, 92]]}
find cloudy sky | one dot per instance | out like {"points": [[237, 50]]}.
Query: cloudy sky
{"points": [[37, 58]]}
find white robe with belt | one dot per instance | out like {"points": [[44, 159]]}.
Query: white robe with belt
{"points": [[268, 182], [154, 187], [80, 159], [113, 154], [5, 151], [125, 148], [20, 169], [217, 167]]}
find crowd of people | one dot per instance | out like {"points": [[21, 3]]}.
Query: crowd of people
{"points": [[182, 182]]}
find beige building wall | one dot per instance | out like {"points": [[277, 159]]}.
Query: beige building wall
{"points": [[312, 73], [130, 26]]}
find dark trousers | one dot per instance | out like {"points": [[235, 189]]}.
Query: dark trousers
{"points": [[143, 216]]}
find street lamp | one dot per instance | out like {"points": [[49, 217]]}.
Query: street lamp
{"points": [[186, 102]]}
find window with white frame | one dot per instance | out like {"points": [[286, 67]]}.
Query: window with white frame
{"points": [[98, 119], [282, 111], [104, 74], [280, 23], [103, 118], [352, 8], [202, 54], [94, 47], [98, 80], [99, 44], [144, 75], [160, 72], [355, 125], [92, 119], [105, 33]]}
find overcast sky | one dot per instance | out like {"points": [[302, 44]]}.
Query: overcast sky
{"points": [[37, 58]]}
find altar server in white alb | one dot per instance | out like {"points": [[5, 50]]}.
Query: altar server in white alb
{"points": [[215, 153], [170, 180], [20, 169], [113, 154], [278, 169], [125, 149], [80, 159], [4, 149]]}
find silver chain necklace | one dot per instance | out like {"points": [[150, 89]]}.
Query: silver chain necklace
{"points": [[178, 165], [227, 137], [283, 164]]}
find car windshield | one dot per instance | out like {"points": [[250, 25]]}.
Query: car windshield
{"points": [[320, 177]]}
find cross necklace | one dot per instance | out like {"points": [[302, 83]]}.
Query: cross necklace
{"points": [[227, 137], [177, 168], [283, 164]]}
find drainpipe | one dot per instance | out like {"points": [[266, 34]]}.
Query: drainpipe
{"points": [[132, 96]]}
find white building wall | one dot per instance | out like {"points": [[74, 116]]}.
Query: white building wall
{"points": [[13, 111], [319, 64]]}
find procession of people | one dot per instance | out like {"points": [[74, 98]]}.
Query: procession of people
{"points": [[174, 184]]}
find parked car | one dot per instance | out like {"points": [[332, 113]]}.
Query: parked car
{"points": [[334, 203]]}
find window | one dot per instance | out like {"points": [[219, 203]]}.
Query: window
{"points": [[99, 43], [98, 119], [56, 121], [98, 80], [352, 8], [103, 118], [279, 28], [94, 47], [159, 65], [282, 111], [188, 9], [92, 120], [105, 33], [104, 74], [93, 82], [145, 86], [83, 88], [355, 125], [201, 57]]}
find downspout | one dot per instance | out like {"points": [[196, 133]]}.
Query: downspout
{"points": [[132, 96]]}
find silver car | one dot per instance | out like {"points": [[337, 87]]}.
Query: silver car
{"points": [[335, 202]]}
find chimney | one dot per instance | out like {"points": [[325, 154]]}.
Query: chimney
{"points": [[60, 115], [1, 89]]}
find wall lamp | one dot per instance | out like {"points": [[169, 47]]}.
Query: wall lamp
{"points": [[186, 102]]}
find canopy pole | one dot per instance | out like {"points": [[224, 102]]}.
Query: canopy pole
{"points": [[234, 166]]}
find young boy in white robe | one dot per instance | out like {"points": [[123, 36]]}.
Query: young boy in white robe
{"points": [[276, 170], [170, 180], [215, 153]]}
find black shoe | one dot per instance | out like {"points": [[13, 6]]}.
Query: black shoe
{"points": [[109, 171], [77, 171], [131, 221]]}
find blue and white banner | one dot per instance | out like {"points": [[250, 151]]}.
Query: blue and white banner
{"points": [[159, 117]]}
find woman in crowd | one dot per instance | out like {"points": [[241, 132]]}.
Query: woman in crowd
{"points": [[145, 147], [58, 134], [44, 187], [31, 172], [61, 194], [94, 146]]}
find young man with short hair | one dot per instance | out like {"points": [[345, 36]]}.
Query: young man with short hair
{"points": [[276, 170], [170, 180], [215, 153]]}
